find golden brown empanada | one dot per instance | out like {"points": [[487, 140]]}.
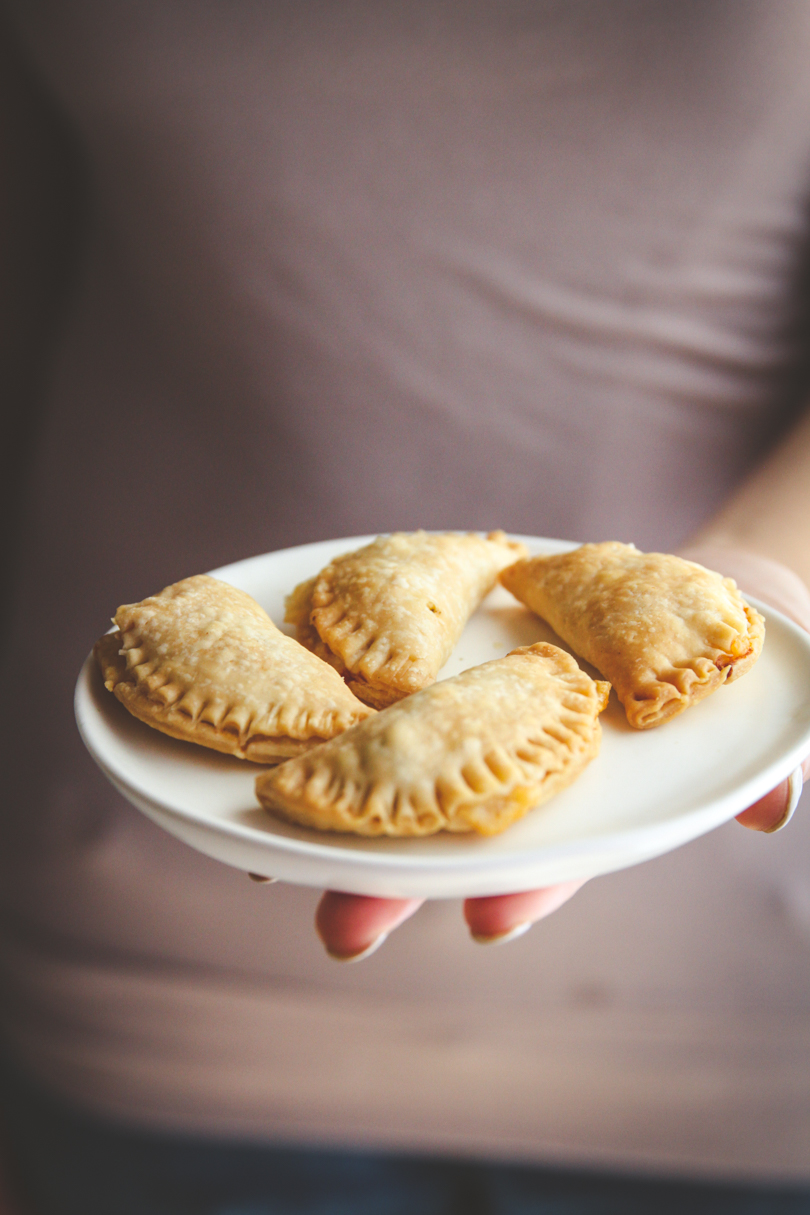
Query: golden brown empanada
{"points": [[666, 632], [472, 753], [204, 662], [388, 615]]}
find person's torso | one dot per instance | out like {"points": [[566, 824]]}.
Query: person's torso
{"points": [[364, 267]]}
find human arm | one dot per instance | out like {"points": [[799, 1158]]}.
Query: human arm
{"points": [[761, 538]]}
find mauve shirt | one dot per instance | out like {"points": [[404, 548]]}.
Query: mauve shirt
{"points": [[366, 266]]}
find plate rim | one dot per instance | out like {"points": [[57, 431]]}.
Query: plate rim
{"points": [[703, 818]]}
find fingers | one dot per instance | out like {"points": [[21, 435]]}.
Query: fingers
{"points": [[775, 809], [352, 926], [503, 917], [768, 812]]}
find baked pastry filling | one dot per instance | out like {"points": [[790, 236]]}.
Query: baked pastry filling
{"points": [[202, 661], [389, 615], [472, 753], [665, 631]]}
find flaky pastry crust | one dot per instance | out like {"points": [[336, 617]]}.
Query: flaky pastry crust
{"points": [[472, 753], [388, 616], [203, 662], [665, 631]]}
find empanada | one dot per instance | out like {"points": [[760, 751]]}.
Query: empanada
{"points": [[666, 632], [388, 616], [472, 753], [204, 662]]}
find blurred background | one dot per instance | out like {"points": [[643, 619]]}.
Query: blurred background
{"points": [[279, 272]]}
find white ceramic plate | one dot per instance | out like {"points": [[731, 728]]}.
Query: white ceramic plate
{"points": [[645, 793]]}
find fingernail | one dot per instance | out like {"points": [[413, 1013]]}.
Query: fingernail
{"points": [[259, 877], [795, 781], [364, 953], [501, 938]]}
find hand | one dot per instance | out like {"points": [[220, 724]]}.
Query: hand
{"points": [[774, 810], [783, 589], [352, 926]]}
